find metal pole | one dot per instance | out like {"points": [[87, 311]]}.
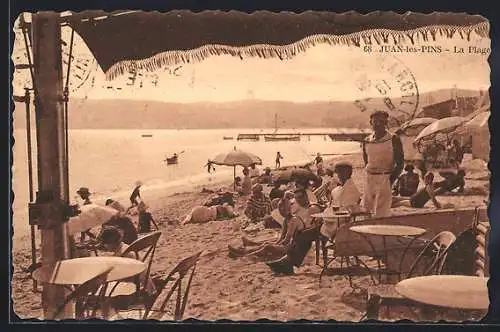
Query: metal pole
{"points": [[30, 177], [49, 112]]}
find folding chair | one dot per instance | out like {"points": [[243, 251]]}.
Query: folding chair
{"points": [[433, 256], [146, 246], [155, 307], [83, 295]]}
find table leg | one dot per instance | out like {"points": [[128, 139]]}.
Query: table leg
{"points": [[375, 255], [404, 254], [386, 257]]}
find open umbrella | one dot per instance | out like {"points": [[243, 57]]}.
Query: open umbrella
{"points": [[293, 174], [442, 126], [91, 215], [417, 122], [236, 158]]}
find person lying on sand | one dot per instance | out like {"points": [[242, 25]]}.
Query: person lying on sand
{"points": [[291, 227], [421, 197], [451, 182], [221, 198], [202, 214]]}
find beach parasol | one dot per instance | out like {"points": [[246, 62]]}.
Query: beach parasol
{"points": [[417, 122], [236, 158], [293, 174], [91, 215], [442, 126]]}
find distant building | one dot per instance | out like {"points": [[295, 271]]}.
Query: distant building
{"points": [[438, 110]]}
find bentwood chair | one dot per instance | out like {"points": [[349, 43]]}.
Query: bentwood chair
{"points": [[142, 249], [85, 297], [429, 261], [159, 306]]}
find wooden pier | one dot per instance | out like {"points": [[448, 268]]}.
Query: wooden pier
{"points": [[340, 135]]}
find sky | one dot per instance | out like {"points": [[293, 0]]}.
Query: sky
{"points": [[322, 73]]}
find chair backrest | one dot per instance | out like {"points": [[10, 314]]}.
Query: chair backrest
{"points": [[321, 192], [437, 250], [481, 260], [347, 243], [83, 293], [147, 246], [182, 269]]}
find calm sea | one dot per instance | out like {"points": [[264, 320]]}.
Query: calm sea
{"points": [[110, 161]]}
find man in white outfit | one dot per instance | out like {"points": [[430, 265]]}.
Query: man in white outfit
{"points": [[384, 161]]}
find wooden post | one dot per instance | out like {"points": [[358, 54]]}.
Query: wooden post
{"points": [[46, 33]]}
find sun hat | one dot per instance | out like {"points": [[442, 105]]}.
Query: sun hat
{"points": [[138, 183]]}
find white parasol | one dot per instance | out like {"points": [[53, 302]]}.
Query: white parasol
{"points": [[442, 126], [91, 215]]}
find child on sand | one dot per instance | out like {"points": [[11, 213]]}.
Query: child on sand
{"points": [[145, 219]]}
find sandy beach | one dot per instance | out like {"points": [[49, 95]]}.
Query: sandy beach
{"points": [[242, 289]]}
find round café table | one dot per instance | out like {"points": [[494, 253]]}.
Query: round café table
{"points": [[447, 291], [385, 231], [78, 270]]}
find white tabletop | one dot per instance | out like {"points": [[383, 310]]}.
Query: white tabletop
{"points": [[388, 230], [448, 291], [78, 270]]}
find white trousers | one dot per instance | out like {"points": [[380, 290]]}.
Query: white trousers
{"points": [[377, 196]]}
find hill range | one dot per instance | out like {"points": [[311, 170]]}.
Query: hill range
{"points": [[131, 114]]}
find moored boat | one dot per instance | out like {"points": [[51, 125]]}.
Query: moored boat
{"points": [[274, 138]]}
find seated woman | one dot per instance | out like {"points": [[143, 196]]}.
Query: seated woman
{"points": [[304, 210], [202, 214], [258, 205], [421, 197], [292, 226], [266, 178]]}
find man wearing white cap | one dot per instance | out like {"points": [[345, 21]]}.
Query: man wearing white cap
{"points": [[384, 160]]}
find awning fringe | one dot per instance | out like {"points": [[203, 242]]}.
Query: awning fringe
{"points": [[284, 52]]}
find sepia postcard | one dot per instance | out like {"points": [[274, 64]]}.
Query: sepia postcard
{"points": [[226, 165]]}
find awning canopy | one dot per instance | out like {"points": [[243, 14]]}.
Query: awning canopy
{"points": [[148, 40]]}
